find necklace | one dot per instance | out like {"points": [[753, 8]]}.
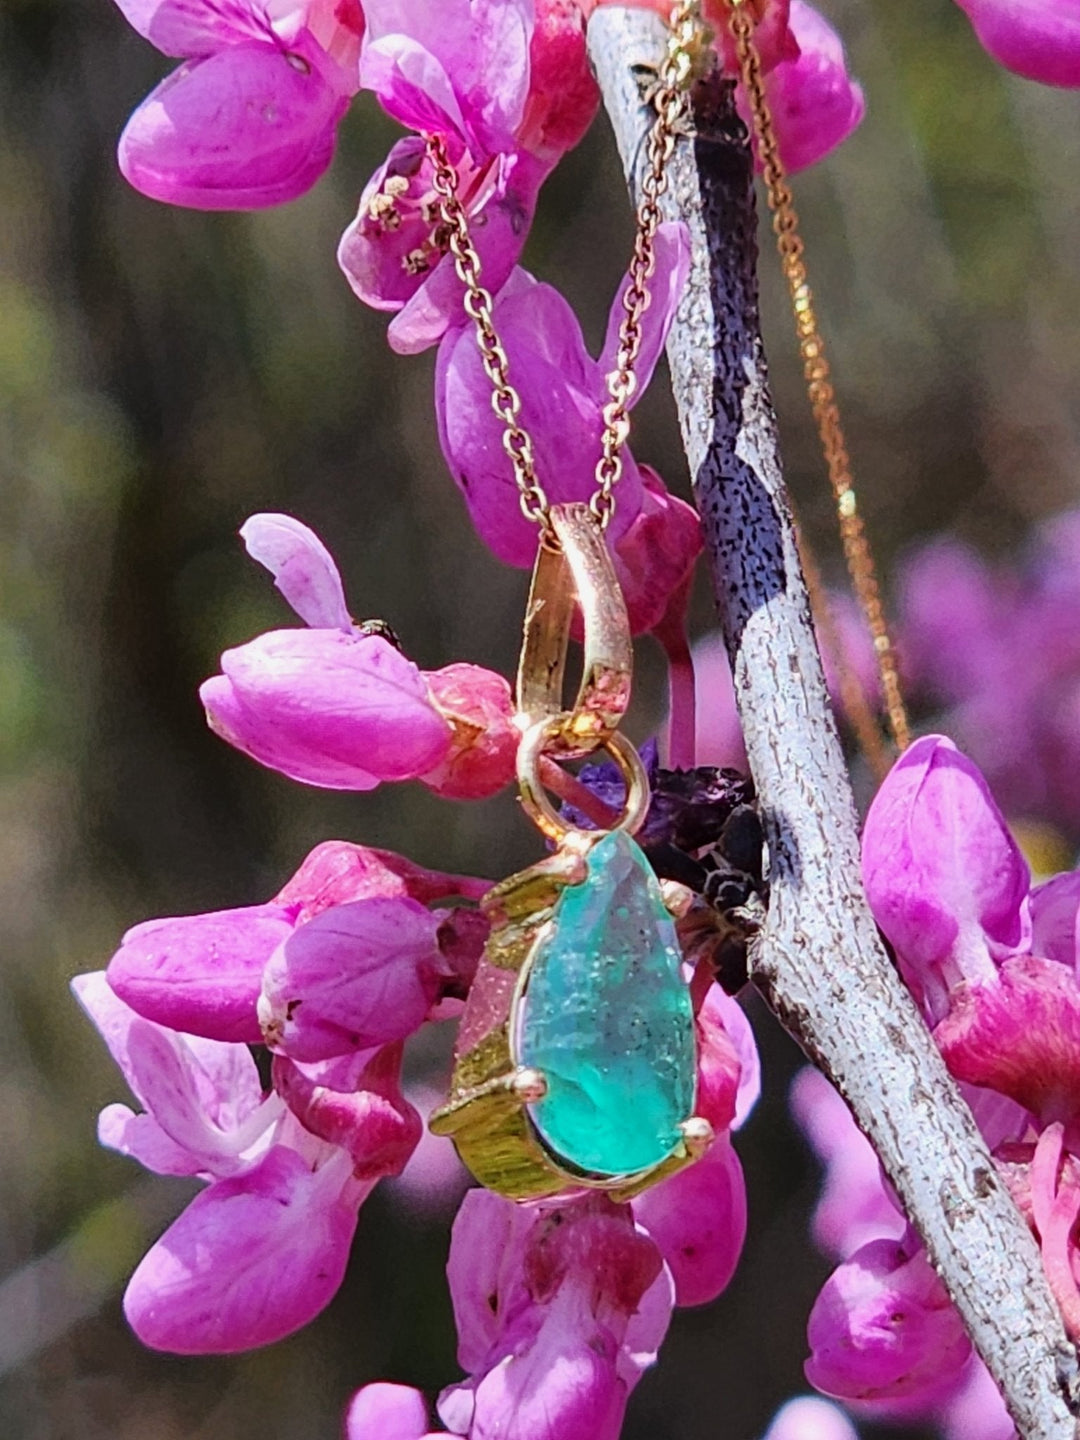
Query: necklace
{"points": [[576, 1059]]}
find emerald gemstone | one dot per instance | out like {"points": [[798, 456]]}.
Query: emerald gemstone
{"points": [[606, 1017]]}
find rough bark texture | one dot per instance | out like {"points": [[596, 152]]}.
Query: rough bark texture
{"points": [[820, 964]]}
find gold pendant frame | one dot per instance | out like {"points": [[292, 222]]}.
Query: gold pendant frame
{"points": [[487, 1111]]}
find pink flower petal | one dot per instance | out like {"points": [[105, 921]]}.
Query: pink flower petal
{"points": [[1055, 910], [374, 1122], [302, 567], [141, 1138], [562, 392], [480, 708], [1039, 39], [387, 1412], [250, 126], [468, 73], [359, 975], [719, 1067], [945, 879], [814, 102], [855, 1207], [339, 711], [563, 95], [337, 872], [250, 1260], [883, 1328], [201, 973], [189, 1103], [564, 1386], [658, 552], [196, 27], [697, 1220], [485, 1270], [1020, 1036]]}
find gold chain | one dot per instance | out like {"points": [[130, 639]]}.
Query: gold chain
{"points": [[670, 101], [505, 400], [816, 369]]}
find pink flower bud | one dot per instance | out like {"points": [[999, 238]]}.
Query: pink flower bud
{"points": [[201, 973], [945, 879], [479, 707], [884, 1328], [1039, 39], [814, 102], [343, 711], [356, 976], [563, 95]]}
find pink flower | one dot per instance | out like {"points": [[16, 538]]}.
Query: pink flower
{"points": [[354, 977], [559, 1312], [342, 708], [1039, 39], [387, 1412], [944, 877], [263, 1248], [964, 625], [563, 393], [510, 96], [697, 1220], [203, 973], [884, 1328], [855, 1206], [814, 102], [250, 118]]}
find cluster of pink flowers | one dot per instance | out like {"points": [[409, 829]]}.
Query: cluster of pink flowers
{"points": [[993, 963], [560, 1306]]}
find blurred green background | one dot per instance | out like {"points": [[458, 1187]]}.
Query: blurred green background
{"points": [[162, 375]]}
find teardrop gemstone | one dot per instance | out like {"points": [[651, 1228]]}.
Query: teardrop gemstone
{"points": [[606, 1016]]}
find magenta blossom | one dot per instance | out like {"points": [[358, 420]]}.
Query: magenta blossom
{"points": [[814, 102], [339, 707], [263, 1248], [208, 974], [655, 539], [250, 118], [560, 1309], [1039, 39], [944, 877], [509, 91], [965, 624], [882, 1334]]}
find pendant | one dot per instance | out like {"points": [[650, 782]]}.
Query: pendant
{"points": [[575, 1065]]}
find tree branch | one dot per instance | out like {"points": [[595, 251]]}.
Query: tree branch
{"points": [[820, 964]]}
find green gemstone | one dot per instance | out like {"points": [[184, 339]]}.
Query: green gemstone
{"points": [[607, 1018]]}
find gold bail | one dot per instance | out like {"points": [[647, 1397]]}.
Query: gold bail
{"points": [[579, 573]]}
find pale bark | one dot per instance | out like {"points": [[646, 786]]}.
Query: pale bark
{"points": [[820, 962]]}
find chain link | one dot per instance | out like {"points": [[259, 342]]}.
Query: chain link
{"points": [[817, 371], [505, 400], [669, 101]]}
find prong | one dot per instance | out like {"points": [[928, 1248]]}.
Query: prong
{"points": [[678, 898], [697, 1135], [529, 1086]]}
